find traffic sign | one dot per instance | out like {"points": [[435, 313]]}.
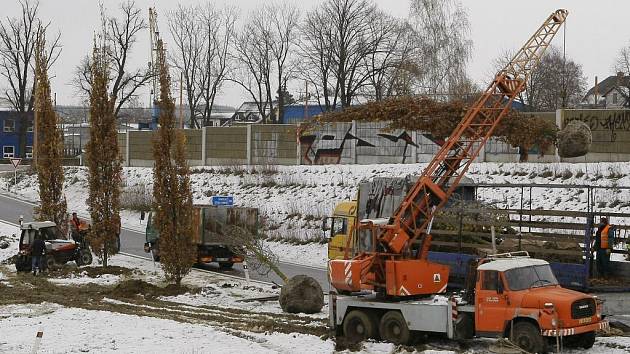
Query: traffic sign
{"points": [[15, 162], [222, 200]]}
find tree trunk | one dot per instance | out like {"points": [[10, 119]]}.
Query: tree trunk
{"points": [[22, 134], [523, 154]]}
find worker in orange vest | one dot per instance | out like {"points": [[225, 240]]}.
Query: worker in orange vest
{"points": [[603, 247]]}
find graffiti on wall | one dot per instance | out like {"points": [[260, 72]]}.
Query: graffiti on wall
{"points": [[613, 122], [331, 144]]}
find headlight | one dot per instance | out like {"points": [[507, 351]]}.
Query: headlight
{"points": [[554, 322]]}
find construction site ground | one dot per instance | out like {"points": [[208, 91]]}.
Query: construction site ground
{"points": [[92, 309]]}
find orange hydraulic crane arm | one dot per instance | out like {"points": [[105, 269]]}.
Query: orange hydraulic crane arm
{"points": [[444, 172]]}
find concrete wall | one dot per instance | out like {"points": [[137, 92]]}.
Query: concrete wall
{"points": [[194, 147], [225, 145], [366, 143], [610, 129], [273, 144], [140, 148]]}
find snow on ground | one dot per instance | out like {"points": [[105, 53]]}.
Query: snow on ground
{"points": [[293, 199], [72, 330], [83, 278], [8, 233], [312, 254]]}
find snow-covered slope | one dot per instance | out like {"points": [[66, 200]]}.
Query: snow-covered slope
{"points": [[293, 199]]}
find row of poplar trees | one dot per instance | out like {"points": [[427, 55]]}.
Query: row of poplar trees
{"points": [[172, 202]]}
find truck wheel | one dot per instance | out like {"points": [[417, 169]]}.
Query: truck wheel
{"points": [[394, 328], [357, 326], [156, 257], [586, 340], [528, 337], [464, 327], [226, 265]]}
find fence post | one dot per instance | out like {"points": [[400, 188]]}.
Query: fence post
{"points": [[127, 140], [203, 146], [249, 145], [414, 148], [353, 129], [298, 148]]}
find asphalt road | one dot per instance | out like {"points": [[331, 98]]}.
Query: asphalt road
{"points": [[132, 242]]}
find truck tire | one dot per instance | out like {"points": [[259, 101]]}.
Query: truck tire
{"points": [[358, 326], [586, 340], [464, 327], [393, 328], [528, 337], [226, 265]]}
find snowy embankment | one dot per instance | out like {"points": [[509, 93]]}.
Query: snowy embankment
{"points": [[292, 200]]}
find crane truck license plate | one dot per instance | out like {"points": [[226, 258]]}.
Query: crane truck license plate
{"points": [[585, 320]]}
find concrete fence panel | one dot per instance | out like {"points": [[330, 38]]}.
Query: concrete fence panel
{"points": [[226, 145]]}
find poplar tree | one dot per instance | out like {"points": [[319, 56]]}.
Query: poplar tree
{"points": [[103, 161], [49, 149], [171, 188]]}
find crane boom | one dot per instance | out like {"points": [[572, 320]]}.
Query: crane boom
{"points": [[394, 264]]}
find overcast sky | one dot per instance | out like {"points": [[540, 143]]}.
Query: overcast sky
{"points": [[596, 30]]}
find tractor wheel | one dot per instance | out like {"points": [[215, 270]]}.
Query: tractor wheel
{"points": [[358, 326], [51, 263], [23, 264], [85, 258], [587, 340], [394, 328], [528, 337], [226, 265]]}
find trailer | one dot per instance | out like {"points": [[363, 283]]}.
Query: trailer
{"points": [[213, 243]]}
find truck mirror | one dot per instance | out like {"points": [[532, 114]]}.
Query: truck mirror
{"points": [[142, 215], [499, 286]]}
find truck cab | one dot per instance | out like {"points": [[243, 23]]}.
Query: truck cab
{"points": [[515, 297], [340, 229], [520, 298]]}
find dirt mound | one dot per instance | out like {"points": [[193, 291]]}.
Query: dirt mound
{"points": [[93, 272], [574, 140], [301, 294], [133, 287]]}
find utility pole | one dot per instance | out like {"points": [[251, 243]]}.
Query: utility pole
{"points": [[181, 100]]}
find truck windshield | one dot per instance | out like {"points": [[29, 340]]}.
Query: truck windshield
{"points": [[530, 277]]}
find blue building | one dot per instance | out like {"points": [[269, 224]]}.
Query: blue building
{"points": [[294, 114], [9, 134]]}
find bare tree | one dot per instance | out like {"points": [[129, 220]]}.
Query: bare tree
{"points": [[622, 65], [387, 61], [18, 38], [202, 36], [339, 38], [263, 50], [221, 32], [120, 35], [442, 49], [557, 83]]}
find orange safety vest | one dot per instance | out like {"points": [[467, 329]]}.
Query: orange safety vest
{"points": [[603, 243]]}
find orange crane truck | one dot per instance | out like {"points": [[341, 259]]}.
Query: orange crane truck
{"points": [[392, 264]]}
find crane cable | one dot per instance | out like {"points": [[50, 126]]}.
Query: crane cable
{"points": [[564, 65]]}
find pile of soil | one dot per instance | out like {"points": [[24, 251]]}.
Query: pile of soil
{"points": [[574, 140], [93, 272], [133, 287]]}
